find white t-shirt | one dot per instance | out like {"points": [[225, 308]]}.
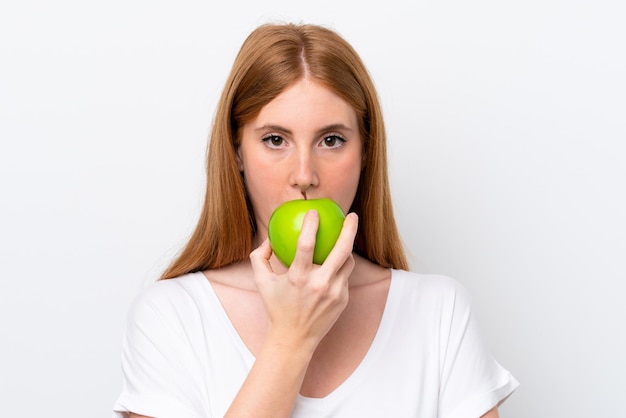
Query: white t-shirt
{"points": [[182, 357]]}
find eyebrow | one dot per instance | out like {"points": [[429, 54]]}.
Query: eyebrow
{"points": [[278, 128]]}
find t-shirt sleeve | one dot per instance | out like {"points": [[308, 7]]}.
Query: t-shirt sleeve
{"points": [[159, 375], [472, 380]]}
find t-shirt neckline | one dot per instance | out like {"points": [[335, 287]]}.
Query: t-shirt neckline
{"points": [[346, 387]]}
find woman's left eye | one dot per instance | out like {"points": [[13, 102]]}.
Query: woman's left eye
{"points": [[333, 141]]}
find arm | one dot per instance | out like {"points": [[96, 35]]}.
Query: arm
{"points": [[302, 306], [492, 414]]}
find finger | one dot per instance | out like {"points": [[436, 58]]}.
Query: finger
{"points": [[347, 267], [306, 242], [260, 259], [341, 279], [344, 245]]}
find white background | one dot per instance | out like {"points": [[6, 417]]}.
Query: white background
{"points": [[506, 125]]}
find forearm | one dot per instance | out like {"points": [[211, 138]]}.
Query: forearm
{"points": [[302, 305], [491, 414], [273, 383]]}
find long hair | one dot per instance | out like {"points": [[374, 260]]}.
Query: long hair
{"points": [[272, 58]]}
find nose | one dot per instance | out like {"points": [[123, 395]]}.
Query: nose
{"points": [[304, 171]]}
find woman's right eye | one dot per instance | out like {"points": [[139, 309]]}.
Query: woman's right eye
{"points": [[273, 141]]}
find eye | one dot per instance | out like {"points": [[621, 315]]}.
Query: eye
{"points": [[273, 141], [333, 141]]}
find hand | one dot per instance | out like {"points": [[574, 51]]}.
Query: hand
{"points": [[305, 302]]}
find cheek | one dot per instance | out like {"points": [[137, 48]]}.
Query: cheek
{"points": [[258, 182], [258, 198], [256, 171], [345, 183]]}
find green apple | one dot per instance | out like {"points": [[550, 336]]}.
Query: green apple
{"points": [[286, 222]]}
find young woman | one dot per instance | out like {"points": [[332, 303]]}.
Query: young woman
{"points": [[230, 331]]}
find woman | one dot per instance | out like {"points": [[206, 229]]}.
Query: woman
{"points": [[230, 331]]}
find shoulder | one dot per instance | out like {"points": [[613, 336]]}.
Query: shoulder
{"points": [[169, 289], [430, 295], [168, 298], [428, 285]]}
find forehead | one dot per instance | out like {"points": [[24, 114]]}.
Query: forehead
{"points": [[307, 101]]}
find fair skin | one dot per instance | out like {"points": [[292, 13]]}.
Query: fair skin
{"points": [[305, 141]]}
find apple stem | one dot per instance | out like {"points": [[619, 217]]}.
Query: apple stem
{"points": [[304, 194]]}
